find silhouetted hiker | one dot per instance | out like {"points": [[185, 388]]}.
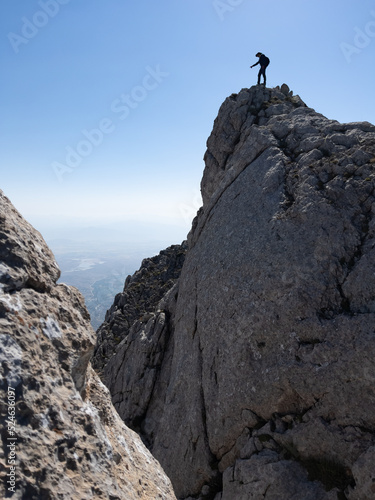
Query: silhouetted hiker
{"points": [[264, 62]]}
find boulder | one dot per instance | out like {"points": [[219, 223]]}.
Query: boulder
{"points": [[61, 436]]}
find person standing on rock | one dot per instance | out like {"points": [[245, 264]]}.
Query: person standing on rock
{"points": [[264, 62]]}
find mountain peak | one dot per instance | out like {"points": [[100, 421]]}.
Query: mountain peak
{"points": [[244, 359], [265, 345]]}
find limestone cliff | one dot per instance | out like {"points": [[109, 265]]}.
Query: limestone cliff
{"points": [[136, 304], [61, 436], [254, 376]]}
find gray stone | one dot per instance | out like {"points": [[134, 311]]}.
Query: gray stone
{"points": [[285, 89], [265, 476], [142, 292], [364, 475], [25, 259], [69, 440], [266, 378]]}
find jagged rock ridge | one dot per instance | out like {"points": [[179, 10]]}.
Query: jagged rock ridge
{"points": [[136, 304], [69, 440], [265, 388]]}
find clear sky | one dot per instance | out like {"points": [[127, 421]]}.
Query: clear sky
{"points": [[106, 105]]}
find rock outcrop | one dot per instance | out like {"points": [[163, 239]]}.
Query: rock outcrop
{"points": [[254, 377], [136, 304], [61, 436]]}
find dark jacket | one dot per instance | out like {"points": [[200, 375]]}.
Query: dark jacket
{"points": [[263, 61]]}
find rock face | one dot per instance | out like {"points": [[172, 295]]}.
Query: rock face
{"points": [[264, 350], [136, 304], [61, 437]]}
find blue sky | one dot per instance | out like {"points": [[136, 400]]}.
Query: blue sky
{"points": [[106, 105]]}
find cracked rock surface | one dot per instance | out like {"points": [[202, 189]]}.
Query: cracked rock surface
{"points": [[266, 344], [133, 307], [69, 442]]}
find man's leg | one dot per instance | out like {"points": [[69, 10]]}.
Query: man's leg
{"points": [[263, 72]]}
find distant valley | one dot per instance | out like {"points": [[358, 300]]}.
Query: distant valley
{"points": [[96, 259], [99, 273], [98, 277]]}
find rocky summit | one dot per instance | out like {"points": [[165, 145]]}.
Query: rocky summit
{"points": [[253, 377], [61, 437]]}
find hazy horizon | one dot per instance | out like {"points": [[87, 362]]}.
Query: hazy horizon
{"points": [[116, 231], [96, 257]]}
